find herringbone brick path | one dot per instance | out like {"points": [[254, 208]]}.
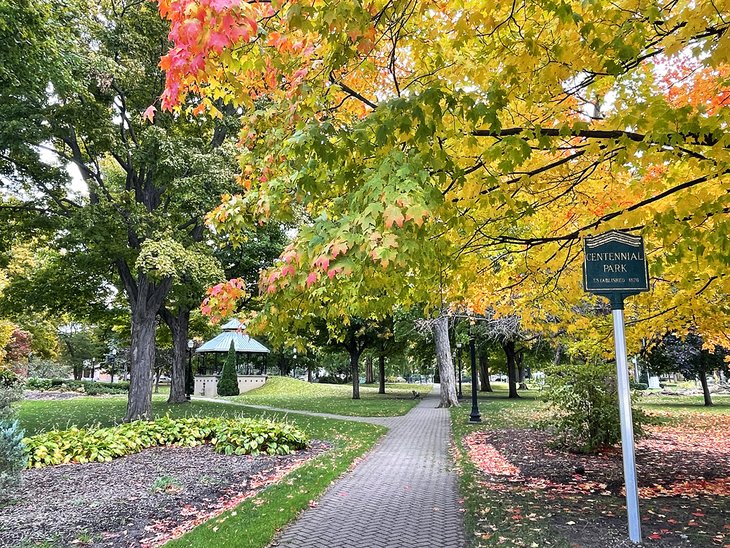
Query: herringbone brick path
{"points": [[402, 495]]}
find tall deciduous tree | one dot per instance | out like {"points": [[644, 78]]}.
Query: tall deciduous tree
{"points": [[144, 180], [508, 130]]}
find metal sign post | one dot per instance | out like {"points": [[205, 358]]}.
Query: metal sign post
{"points": [[627, 427], [615, 267]]}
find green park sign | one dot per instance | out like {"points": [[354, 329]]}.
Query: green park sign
{"points": [[615, 265]]}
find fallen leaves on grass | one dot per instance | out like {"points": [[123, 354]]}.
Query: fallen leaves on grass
{"points": [[487, 458], [163, 531], [684, 479]]}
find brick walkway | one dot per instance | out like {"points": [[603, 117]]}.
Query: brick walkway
{"points": [[402, 495]]}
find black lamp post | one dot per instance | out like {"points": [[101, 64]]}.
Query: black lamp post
{"points": [[475, 416], [189, 370], [458, 360], [113, 360]]}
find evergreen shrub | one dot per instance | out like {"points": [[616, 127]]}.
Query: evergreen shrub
{"points": [[228, 381], [12, 450]]}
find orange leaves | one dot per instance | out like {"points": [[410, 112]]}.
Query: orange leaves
{"points": [[487, 458], [688, 83], [149, 114], [198, 29], [222, 299], [338, 247]]}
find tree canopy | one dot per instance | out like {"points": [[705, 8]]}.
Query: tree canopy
{"points": [[461, 150]]}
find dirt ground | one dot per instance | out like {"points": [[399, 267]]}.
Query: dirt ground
{"points": [[132, 500], [684, 484]]}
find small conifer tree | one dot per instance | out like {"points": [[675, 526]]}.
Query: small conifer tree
{"points": [[12, 450], [228, 382]]}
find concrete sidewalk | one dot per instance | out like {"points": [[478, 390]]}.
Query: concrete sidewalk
{"points": [[404, 494]]}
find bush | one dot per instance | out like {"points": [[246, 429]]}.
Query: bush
{"points": [[228, 382], [331, 379], [34, 383], [228, 436], [10, 391], [48, 369], [92, 388], [12, 451], [583, 400], [639, 386], [8, 378], [12, 457]]}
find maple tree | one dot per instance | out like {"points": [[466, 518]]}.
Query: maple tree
{"points": [[474, 144], [133, 215]]}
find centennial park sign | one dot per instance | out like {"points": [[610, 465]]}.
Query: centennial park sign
{"points": [[615, 267]]}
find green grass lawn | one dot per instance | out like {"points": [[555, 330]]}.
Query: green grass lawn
{"points": [[678, 404], [288, 393], [254, 522]]}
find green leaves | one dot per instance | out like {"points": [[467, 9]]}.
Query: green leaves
{"points": [[228, 436]]}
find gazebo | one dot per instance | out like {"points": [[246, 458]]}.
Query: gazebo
{"points": [[250, 360]]}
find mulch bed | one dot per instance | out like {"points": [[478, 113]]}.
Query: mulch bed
{"points": [[139, 500], [684, 484]]}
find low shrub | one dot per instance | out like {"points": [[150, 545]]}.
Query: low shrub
{"points": [[12, 451], [10, 391], [8, 377], [228, 436], [34, 383], [639, 386], [583, 400], [92, 388], [12, 457], [331, 379], [48, 369]]}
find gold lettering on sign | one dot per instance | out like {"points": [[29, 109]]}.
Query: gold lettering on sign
{"points": [[622, 256], [614, 268]]}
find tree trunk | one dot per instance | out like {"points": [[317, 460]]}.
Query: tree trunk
{"points": [[142, 360], [521, 378], [519, 362], [705, 389], [355, 371], [440, 330], [179, 327], [509, 352], [369, 377], [381, 373], [485, 385], [145, 300]]}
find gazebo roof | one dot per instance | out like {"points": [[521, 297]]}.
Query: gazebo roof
{"points": [[233, 325], [241, 341]]}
